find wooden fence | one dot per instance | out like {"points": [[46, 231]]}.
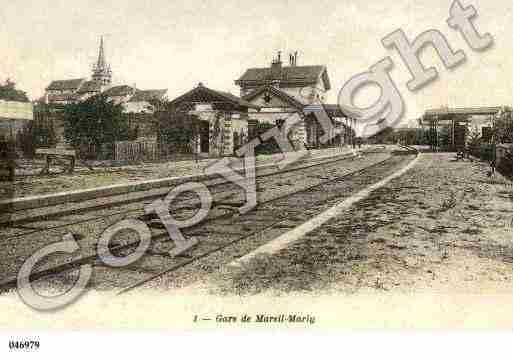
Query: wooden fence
{"points": [[131, 151]]}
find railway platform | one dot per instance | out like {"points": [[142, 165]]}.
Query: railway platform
{"points": [[444, 226]]}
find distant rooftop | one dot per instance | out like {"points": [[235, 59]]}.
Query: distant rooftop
{"points": [[121, 90], [89, 86], [287, 74], [72, 84], [147, 95]]}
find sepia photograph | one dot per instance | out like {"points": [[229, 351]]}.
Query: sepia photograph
{"points": [[254, 166]]}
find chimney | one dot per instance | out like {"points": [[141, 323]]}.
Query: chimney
{"points": [[293, 58], [276, 68]]}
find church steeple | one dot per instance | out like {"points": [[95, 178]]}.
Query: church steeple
{"points": [[101, 55], [102, 73]]}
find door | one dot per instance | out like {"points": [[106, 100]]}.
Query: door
{"points": [[204, 136]]}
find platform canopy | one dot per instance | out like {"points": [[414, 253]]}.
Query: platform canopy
{"points": [[459, 114], [456, 120]]}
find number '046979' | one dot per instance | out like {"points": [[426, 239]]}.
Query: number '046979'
{"points": [[23, 345]]}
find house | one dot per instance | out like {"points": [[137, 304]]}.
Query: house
{"points": [[283, 93], [120, 94], [304, 83], [141, 101], [223, 119], [62, 92]]}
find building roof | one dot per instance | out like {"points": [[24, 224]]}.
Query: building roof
{"points": [[70, 97], [121, 90], [72, 84], [90, 86], [234, 98], [204, 94], [463, 111], [147, 95], [288, 74]]}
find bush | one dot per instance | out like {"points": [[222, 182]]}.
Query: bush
{"points": [[91, 124], [506, 165], [486, 152], [178, 131], [8, 92], [35, 135], [7, 164]]}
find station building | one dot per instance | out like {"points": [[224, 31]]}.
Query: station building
{"points": [[271, 95], [223, 119], [297, 92]]}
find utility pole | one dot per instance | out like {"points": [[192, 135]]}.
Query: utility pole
{"points": [[494, 139]]}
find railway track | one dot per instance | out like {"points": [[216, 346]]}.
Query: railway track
{"points": [[21, 219], [278, 216], [222, 231]]}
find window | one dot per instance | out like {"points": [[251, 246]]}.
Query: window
{"points": [[486, 134]]}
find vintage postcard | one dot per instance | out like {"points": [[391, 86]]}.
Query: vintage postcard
{"points": [[265, 165]]}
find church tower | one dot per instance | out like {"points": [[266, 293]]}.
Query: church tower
{"points": [[102, 73]]}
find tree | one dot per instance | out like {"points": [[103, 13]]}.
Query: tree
{"points": [[35, 135], [474, 137], [8, 92], [503, 128], [178, 130], [94, 123]]}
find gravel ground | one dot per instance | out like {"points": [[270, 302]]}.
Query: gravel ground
{"points": [[443, 227]]}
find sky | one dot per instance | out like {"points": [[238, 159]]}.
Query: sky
{"points": [[177, 44]]}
